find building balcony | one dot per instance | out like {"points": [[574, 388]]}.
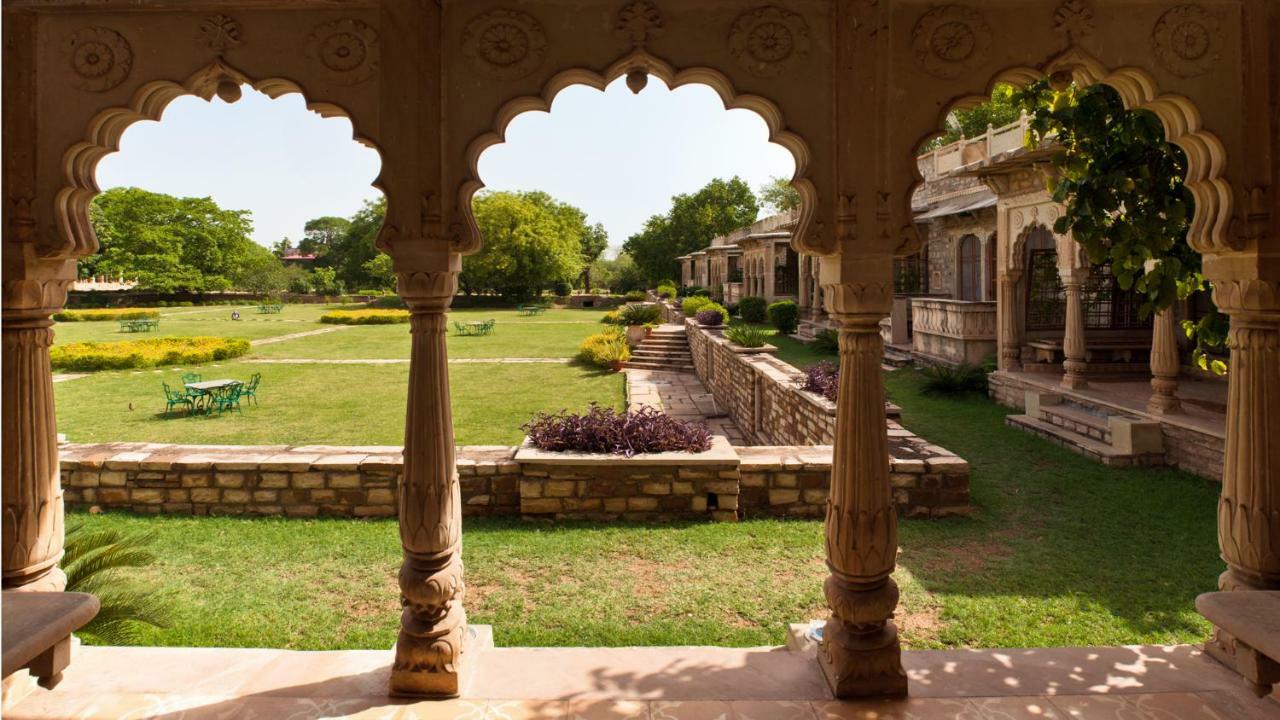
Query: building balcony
{"points": [[953, 331]]}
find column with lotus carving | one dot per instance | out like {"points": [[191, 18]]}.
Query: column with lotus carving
{"points": [[1073, 344], [1165, 364], [1010, 330], [860, 653], [430, 648]]}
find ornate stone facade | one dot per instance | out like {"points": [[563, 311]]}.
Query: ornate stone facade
{"points": [[431, 85]]}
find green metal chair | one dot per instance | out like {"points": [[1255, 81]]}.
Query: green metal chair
{"points": [[173, 398], [250, 390], [228, 398]]}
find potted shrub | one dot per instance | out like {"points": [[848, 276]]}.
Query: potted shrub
{"points": [[749, 339], [712, 315], [606, 349], [638, 319]]}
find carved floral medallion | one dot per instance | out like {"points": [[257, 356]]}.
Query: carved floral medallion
{"points": [[504, 44], [219, 33], [348, 48], [1187, 40], [637, 22], [100, 58], [1073, 18], [769, 40], [950, 40]]}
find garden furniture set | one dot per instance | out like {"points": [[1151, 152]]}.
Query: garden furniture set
{"points": [[270, 308], [531, 309], [204, 397], [484, 327], [139, 325]]}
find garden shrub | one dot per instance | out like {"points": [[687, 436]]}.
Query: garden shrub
{"points": [[605, 348], [365, 317], [785, 315], [604, 430], [753, 309], [947, 380], [712, 314], [822, 378], [747, 336], [613, 317], [387, 301], [105, 314], [636, 296], [639, 314], [692, 304], [826, 341], [562, 288], [702, 292], [151, 352], [667, 291]]}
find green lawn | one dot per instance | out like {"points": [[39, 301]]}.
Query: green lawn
{"points": [[187, 322], [1059, 551], [327, 404], [791, 350]]}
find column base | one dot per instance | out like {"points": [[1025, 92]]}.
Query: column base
{"points": [[861, 665], [53, 580], [431, 667], [1073, 375], [1164, 405]]}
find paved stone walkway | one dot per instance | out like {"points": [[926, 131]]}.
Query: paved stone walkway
{"points": [[680, 395], [295, 336]]}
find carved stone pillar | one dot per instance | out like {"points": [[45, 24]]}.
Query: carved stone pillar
{"points": [[1249, 509], [1073, 347], [860, 652], [32, 485], [1164, 364], [430, 649], [806, 297], [1009, 339]]}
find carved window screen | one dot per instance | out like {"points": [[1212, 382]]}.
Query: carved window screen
{"points": [[911, 274], [1046, 298], [969, 270], [1107, 306]]}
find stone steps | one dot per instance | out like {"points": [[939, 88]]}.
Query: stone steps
{"points": [[664, 350], [1083, 445]]}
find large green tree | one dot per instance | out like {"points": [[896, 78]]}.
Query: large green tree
{"points": [[322, 234], [779, 195], [721, 206], [171, 244], [531, 242]]}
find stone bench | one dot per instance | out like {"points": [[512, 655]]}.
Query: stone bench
{"points": [[1120, 349], [36, 631], [1253, 619]]}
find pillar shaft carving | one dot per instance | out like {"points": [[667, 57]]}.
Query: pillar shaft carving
{"points": [[429, 651], [32, 486], [1164, 364], [1249, 508], [1010, 338], [860, 652], [1073, 348]]}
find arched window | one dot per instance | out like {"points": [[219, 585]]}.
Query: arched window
{"points": [[969, 269], [1046, 298]]}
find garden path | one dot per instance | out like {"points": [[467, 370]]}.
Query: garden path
{"points": [[294, 336], [404, 361], [681, 395]]}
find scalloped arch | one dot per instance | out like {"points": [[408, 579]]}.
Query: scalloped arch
{"points": [[76, 237], [1206, 155], [638, 61]]}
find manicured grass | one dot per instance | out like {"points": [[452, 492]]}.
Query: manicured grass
{"points": [[1059, 551], [555, 333], [791, 350], [329, 404], [187, 322]]}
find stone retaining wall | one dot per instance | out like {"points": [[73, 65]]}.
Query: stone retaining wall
{"points": [[723, 484]]}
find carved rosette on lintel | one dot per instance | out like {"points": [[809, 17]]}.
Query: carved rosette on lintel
{"points": [[430, 650], [860, 653], [504, 44], [769, 40], [951, 40], [347, 48]]}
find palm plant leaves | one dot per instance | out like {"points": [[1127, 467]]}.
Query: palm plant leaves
{"points": [[95, 562]]}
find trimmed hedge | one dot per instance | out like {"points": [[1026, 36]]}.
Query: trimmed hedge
{"points": [[365, 317], [105, 314], [753, 309], [785, 315], [605, 348], [692, 304], [151, 352]]}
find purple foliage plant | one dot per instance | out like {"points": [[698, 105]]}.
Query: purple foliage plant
{"points": [[603, 430]]}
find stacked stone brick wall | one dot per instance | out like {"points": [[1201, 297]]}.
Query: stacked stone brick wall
{"points": [[760, 392], [723, 484]]}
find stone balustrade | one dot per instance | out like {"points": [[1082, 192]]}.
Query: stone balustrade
{"points": [[953, 331]]}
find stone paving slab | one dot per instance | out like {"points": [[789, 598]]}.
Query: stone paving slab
{"points": [[658, 683]]}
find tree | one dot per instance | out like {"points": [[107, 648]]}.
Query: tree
{"points": [[694, 219], [1126, 205], [379, 269], [529, 244], [281, 247], [1004, 107], [321, 234], [779, 195], [263, 273], [619, 275], [354, 248], [168, 243]]}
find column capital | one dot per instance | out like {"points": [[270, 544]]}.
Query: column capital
{"points": [[26, 299], [859, 304], [1250, 298], [427, 291]]}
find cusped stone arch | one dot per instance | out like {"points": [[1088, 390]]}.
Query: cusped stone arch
{"points": [[636, 67], [1183, 126], [75, 236]]}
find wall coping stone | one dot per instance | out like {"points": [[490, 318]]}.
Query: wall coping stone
{"points": [[721, 453]]}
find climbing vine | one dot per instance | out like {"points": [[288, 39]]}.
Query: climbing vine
{"points": [[1121, 184]]}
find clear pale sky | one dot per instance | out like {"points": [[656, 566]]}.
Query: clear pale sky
{"points": [[618, 156]]}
